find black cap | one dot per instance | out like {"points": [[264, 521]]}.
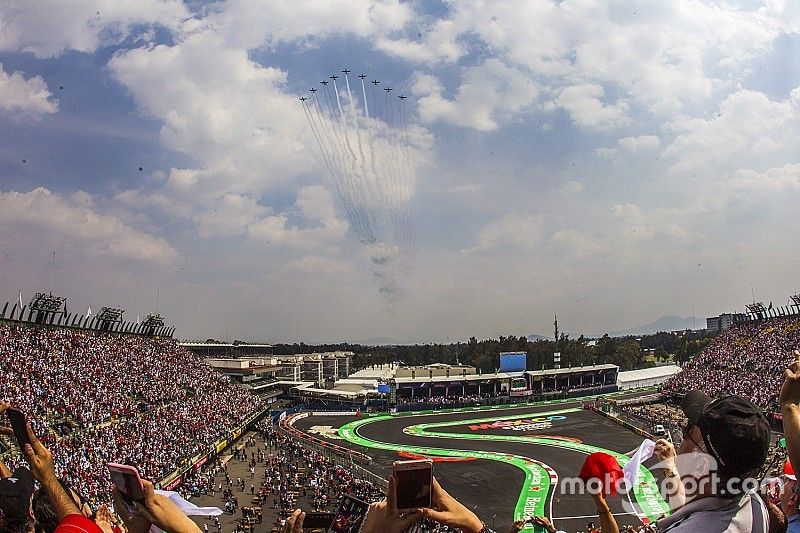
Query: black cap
{"points": [[735, 431], [15, 495]]}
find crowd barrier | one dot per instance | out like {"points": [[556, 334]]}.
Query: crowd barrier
{"points": [[339, 455], [623, 423], [287, 425]]}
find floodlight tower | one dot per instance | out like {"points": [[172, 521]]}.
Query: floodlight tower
{"points": [[46, 307]]}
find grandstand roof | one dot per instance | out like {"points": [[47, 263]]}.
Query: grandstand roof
{"points": [[224, 345], [380, 371], [663, 371], [570, 370]]}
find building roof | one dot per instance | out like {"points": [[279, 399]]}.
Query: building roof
{"points": [[223, 345], [570, 370], [663, 371]]}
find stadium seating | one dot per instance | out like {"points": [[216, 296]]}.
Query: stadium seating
{"points": [[96, 398], [747, 359]]}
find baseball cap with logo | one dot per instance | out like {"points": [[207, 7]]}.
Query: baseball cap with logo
{"points": [[735, 431], [15, 495]]}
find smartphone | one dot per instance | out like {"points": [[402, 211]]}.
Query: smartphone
{"points": [[19, 425], [413, 480], [128, 482], [349, 515], [317, 520]]}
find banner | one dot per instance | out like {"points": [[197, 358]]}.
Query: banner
{"points": [[175, 483], [221, 446], [200, 463]]}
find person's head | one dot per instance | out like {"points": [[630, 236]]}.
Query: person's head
{"points": [[729, 436], [46, 519], [15, 501]]}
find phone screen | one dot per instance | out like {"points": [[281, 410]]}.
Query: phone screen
{"points": [[315, 520], [413, 487], [349, 515], [18, 424], [128, 485]]}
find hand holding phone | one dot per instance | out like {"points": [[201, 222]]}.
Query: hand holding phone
{"points": [[413, 480], [128, 482], [317, 520], [349, 515], [20, 426]]}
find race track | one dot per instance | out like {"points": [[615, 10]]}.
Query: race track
{"points": [[504, 463]]}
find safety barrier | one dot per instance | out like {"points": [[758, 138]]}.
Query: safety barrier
{"points": [[334, 453], [287, 424], [626, 425]]}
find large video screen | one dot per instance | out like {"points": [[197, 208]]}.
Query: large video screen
{"points": [[513, 361]]}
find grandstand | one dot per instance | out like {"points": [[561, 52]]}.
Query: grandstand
{"points": [[97, 397], [747, 359]]}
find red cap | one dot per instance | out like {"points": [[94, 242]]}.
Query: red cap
{"points": [[603, 467], [788, 471]]}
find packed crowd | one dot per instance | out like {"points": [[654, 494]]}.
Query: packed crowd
{"points": [[746, 359], [99, 398], [452, 399], [731, 437]]}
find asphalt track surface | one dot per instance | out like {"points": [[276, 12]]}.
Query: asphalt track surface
{"points": [[494, 487]]}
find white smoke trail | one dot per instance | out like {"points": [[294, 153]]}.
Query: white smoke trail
{"points": [[365, 147]]}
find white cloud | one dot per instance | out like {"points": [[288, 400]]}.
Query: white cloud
{"points": [[642, 142], [315, 205], [572, 187], [248, 24], [48, 27], [315, 264], [772, 180], [510, 230], [489, 95], [228, 113], [44, 216], [749, 129], [23, 98], [585, 105]]}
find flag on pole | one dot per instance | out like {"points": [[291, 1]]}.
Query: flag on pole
{"points": [[89, 312]]}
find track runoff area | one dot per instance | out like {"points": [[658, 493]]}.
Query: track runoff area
{"points": [[505, 463]]}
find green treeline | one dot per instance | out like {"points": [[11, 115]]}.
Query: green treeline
{"points": [[628, 353]]}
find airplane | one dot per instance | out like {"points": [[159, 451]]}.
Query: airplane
{"points": [[387, 89], [402, 97], [362, 76], [345, 71], [313, 90], [375, 82], [334, 77], [323, 82], [303, 98]]}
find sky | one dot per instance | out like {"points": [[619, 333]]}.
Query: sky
{"points": [[609, 161]]}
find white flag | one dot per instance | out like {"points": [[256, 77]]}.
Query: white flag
{"points": [[188, 508], [631, 469], [20, 300], [89, 312]]}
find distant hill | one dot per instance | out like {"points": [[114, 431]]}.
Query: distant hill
{"points": [[665, 323], [533, 337]]}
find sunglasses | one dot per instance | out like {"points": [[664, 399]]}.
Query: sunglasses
{"points": [[687, 434]]}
